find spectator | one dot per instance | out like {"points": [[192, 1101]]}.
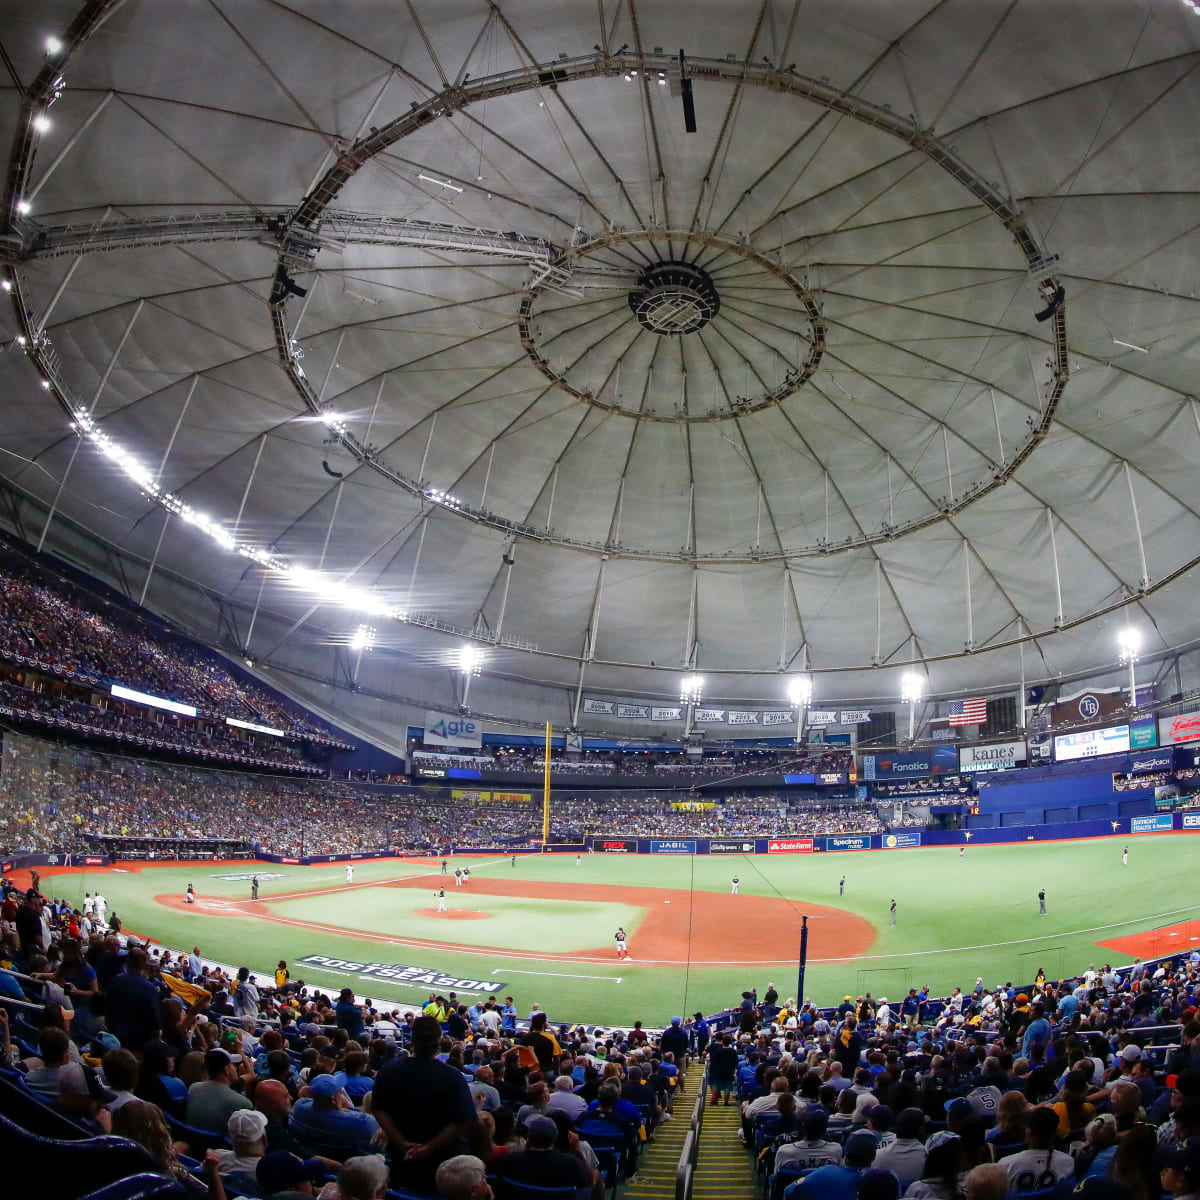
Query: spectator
{"points": [[463, 1178], [326, 1117], [1040, 1166], [362, 1178], [945, 1169], [212, 1100], [120, 1069], [837, 1181], [132, 1004], [247, 1131], [283, 1176], [542, 1165], [905, 1156], [988, 1181], [563, 1099], [43, 1079], [810, 1152], [424, 1107]]}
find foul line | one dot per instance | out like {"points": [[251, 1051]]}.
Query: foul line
{"points": [[556, 974]]}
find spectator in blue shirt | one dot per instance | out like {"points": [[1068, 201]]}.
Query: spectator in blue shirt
{"points": [[327, 1118], [348, 1015], [837, 1181]]}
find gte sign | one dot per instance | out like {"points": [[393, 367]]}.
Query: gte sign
{"points": [[449, 729]]}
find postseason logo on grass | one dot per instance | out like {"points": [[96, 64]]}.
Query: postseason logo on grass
{"points": [[400, 973], [247, 875]]}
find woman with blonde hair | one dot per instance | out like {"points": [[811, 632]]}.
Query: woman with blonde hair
{"points": [[143, 1123]]}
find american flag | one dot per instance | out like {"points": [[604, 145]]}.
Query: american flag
{"points": [[967, 712]]}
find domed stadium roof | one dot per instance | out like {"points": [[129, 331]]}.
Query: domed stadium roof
{"points": [[444, 302]]}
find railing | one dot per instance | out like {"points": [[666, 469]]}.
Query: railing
{"points": [[691, 1145]]}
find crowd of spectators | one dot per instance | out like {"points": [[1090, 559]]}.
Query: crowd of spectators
{"points": [[136, 727], [60, 798], [630, 762], [50, 625], [265, 1083]]}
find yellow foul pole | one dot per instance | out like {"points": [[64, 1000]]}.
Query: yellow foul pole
{"points": [[546, 791]]}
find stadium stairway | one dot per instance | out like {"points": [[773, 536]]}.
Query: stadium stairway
{"points": [[723, 1171], [724, 1167]]}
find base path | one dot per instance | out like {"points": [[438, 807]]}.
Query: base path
{"points": [[721, 929]]}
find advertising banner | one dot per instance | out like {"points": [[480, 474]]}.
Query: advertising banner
{"points": [[91, 860], [1091, 743], [790, 846], [901, 841], [779, 717], [915, 764], [1143, 733], [470, 795], [831, 778], [445, 729], [730, 846], [511, 797], [1158, 823], [1191, 820], [600, 708], [1159, 760], [673, 846], [1183, 727], [618, 846], [998, 756], [849, 841]]}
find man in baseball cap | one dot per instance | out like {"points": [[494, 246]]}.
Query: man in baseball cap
{"points": [[328, 1118], [247, 1130], [1179, 1168], [283, 1176], [542, 1165]]}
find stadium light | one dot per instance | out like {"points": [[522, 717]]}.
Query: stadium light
{"points": [[1129, 642], [691, 689], [363, 638], [800, 693], [469, 660], [912, 687]]}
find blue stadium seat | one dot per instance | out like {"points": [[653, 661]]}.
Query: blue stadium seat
{"points": [[512, 1189], [30, 1113], [608, 1160], [69, 1170], [1004, 1149], [199, 1141], [141, 1187]]}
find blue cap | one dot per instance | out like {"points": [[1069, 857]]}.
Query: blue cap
{"points": [[676, 1020], [280, 1170], [325, 1087]]}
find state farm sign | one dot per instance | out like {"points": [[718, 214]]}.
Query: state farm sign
{"points": [[790, 846], [1185, 727]]}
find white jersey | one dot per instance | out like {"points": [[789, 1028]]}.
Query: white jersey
{"points": [[349, 874], [88, 905], [101, 905]]}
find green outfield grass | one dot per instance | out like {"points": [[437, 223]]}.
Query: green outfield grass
{"points": [[958, 919]]}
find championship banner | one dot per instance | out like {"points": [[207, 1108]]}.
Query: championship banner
{"points": [[599, 708], [790, 846], [779, 717], [666, 714], [710, 716], [510, 797], [819, 716], [854, 716], [445, 729], [638, 712], [741, 716]]}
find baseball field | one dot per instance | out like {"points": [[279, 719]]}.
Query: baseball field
{"points": [[542, 929]]}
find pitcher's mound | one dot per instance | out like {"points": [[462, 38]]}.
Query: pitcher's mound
{"points": [[455, 914]]}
